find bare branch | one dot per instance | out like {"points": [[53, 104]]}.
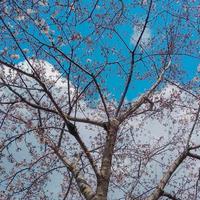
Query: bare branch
{"points": [[164, 180], [165, 194], [144, 97]]}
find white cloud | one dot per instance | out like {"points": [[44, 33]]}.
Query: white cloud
{"points": [[148, 134], [46, 70], [146, 37], [49, 75]]}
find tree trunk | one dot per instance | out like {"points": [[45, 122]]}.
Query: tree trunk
{"points": [[105, 171]]}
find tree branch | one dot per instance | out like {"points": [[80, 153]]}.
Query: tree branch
{"points": [[132, 63], [164, 180], [166, 194], [84, 187], [144, 97]]}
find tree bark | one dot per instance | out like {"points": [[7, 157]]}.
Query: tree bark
{"points": [[165, 179], [105, 171]]}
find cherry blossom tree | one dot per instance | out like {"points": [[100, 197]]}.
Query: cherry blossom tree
{"points": [[73, 123]]}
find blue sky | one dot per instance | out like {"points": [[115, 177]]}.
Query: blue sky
{"points": [[161, 25], [114, 76]]}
